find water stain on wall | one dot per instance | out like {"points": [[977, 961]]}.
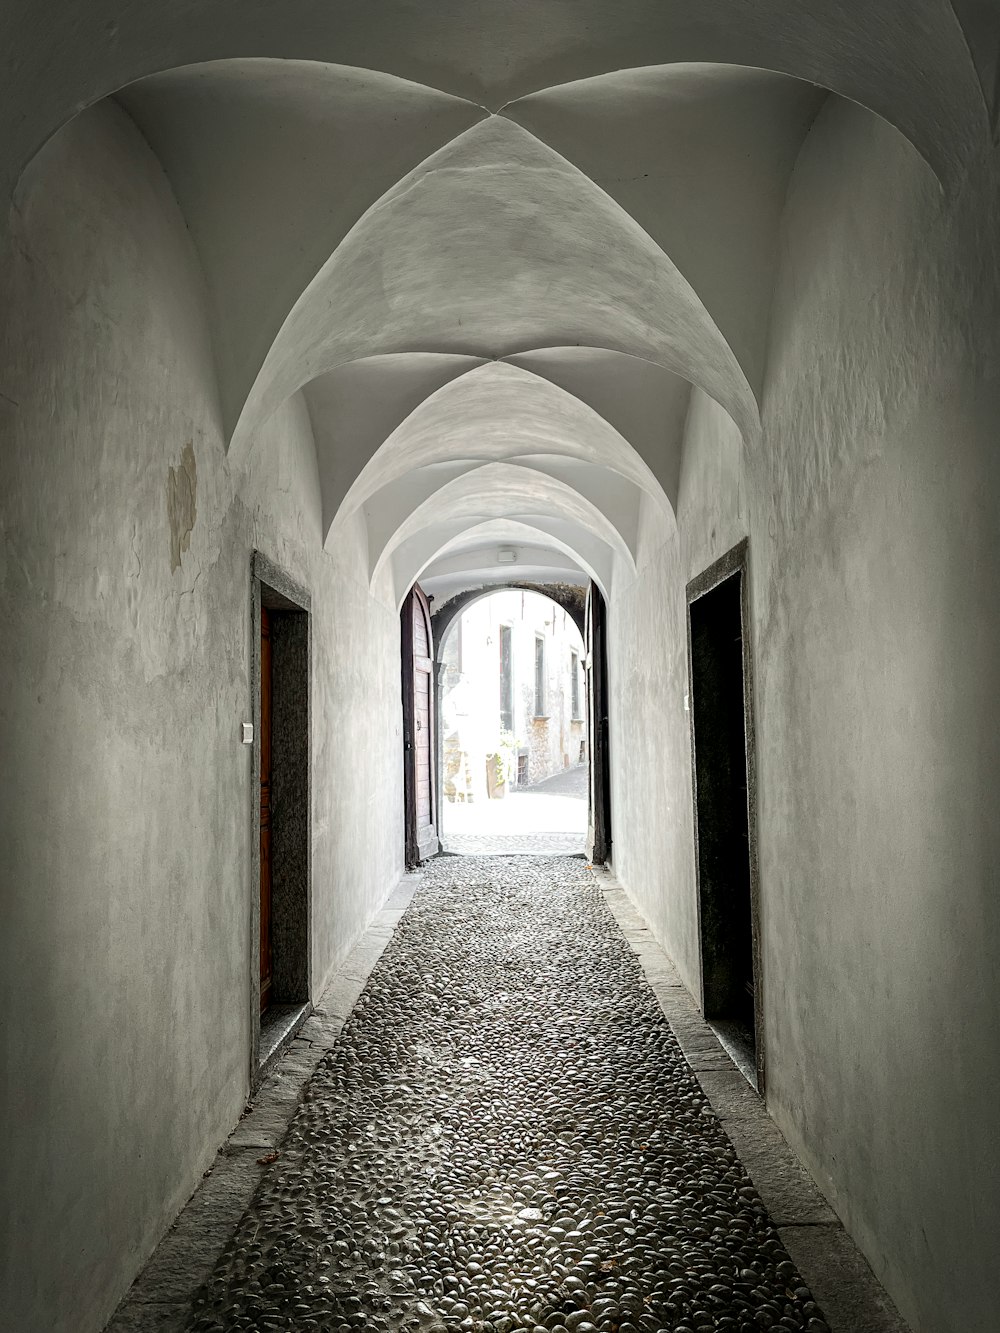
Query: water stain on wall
{"points": [[182, 509]]}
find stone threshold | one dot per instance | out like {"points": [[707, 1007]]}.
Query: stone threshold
{"points": [[160, 1299], [836, 1272], [278, 1026]]}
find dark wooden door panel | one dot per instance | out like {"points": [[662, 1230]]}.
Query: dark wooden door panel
{"points": [[265, 809]]}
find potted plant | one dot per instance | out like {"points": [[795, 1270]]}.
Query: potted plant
{"points": [[500, 765]]}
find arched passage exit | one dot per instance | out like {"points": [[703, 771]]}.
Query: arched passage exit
{"points": [[586, 700]]}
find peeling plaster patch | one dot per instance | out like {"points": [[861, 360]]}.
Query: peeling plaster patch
{"points": [[182, 510]]}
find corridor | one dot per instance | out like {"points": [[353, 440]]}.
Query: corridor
{"points": [[506, 1137], [329, 329]]}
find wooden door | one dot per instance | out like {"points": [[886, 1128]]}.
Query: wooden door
{"points": [[418, 719], [597, 722], [265, 809]]}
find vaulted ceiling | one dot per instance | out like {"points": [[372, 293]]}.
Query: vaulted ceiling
{"points": [[494, 247]]}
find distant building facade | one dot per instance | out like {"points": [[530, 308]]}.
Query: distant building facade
{"points": [[513, 706]]}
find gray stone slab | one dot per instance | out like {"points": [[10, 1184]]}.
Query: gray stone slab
{"points": [[660, 974], [340, 996], [144, 1317], [693, 1036], [363, 957], [185, 1257], [402, 894], [703, 1061], [667, 995], [388, 919], [227, 1189], [321, 1030], [851, 1297], [263, 1128], [788, 1191], [301, 1058], [731, 1095]]}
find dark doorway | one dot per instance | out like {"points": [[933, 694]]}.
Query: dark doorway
{"points": [[722, 760], [596, 639], [266, 690], [420, 751], [281, 978]]}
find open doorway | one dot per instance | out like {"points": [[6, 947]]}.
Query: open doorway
{"points": [[419, 729], [722, 754], [514, 751], [598, 707], [280, 897]]}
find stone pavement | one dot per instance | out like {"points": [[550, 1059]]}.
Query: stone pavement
{"points": [[508, 1136], [548, 818]]}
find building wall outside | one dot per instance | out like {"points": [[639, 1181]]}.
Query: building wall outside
{"points": [[470, 691], [126, 818], [870, 505]]}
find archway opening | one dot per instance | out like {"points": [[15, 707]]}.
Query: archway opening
{"points": [[513, 734]]}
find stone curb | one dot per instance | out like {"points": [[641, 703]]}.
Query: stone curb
{"points": [[835, 1270]]}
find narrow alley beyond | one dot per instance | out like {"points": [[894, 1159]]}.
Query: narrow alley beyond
{"points": [[549, 818], [506, 1135]]}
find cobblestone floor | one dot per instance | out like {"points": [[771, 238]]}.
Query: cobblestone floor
{"points": [[506, 1137]]}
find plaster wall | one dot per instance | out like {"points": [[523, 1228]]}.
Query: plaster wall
{"points": [[871, 510], [126, 818]]}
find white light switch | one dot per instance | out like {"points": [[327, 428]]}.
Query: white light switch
{"points": [[248, 733]]}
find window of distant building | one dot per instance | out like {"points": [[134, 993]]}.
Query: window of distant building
{"points": [[574, 684], [506, 678], [539, 676]]}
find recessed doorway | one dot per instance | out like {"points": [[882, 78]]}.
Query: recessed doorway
{"points": [[280, 976], [419, 744], [724, 794]]}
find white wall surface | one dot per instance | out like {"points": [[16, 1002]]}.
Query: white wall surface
{"points": [[872, 516], [127, 796]]}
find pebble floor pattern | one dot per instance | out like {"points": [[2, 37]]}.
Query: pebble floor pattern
{"points": [[506, 1138], [516, 844]]}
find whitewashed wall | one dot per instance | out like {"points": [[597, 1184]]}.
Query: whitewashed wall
{"points": [[126, 810], [872, 517]]}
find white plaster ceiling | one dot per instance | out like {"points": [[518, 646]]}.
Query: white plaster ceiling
{"points": [[907, 60], [470, 560], [496, 491], [494, 247], [584, 550], [499, 411]]}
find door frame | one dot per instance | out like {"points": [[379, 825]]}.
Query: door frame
{"points": [[270, 586], [411, 836], [735, 561], [598, 726]]}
